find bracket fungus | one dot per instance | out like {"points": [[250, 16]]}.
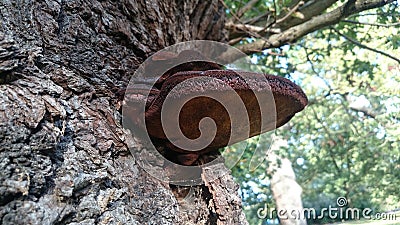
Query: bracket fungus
{"points": [[186, 94]]}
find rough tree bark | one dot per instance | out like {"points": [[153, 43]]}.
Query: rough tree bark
{"points": [[63, 63], [63, 152]]}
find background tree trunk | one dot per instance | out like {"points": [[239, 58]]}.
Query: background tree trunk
{"points": [[286, 191], [63, 153]]}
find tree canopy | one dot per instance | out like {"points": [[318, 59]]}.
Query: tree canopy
{"points": [[344, 54]]}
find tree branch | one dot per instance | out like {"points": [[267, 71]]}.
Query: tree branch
{"points": [[291, 11], [292, 34], [246, 8], [308, 10], [372, 24], [376, 14], [326, 130], [364, 46], [316, 72], [258, 18], [366, 111], [270, 24], [361, 108], [241, 26]]}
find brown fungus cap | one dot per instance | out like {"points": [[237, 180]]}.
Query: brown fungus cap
{"points": [[288, 100]]}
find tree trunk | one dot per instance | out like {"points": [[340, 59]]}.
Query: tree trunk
{"points": [[63, 154], [286, 191]]}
